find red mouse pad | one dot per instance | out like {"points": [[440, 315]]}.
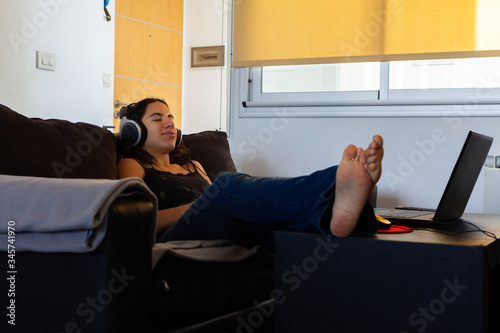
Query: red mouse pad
{"points": [[396, 229]]}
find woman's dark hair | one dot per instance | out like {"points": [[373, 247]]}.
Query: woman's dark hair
{"points": [[181, 155]]}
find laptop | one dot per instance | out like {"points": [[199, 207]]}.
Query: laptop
{"points": [[458, 190]]}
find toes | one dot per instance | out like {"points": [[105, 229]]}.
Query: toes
{"points": [[371, 167], [378, 139], [362, 157], [377, 143], [360, 153], [351, 152]]}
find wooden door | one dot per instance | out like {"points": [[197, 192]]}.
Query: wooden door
{"points": [[148, 52]]}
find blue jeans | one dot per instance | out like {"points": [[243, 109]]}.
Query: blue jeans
{"points": [[246, 209]]}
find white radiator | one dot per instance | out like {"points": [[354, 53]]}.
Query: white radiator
{"points": [[492, 185]]}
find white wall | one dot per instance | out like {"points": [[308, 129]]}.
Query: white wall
{"points": [[108, 61], [204, 90], [75, 32]]}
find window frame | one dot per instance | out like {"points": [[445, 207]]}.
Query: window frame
{"points": [[472, 102]]}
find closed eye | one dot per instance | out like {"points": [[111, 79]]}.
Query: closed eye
{"points": [[155, 117], [159, 117]]}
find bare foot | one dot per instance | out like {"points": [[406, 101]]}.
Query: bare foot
{"points": [[372, 160], [358, 172]]}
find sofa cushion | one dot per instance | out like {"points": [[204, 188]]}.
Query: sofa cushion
{"points": [[54, 148], [211, 149]]}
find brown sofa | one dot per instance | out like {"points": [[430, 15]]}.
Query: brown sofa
{"points": [[113, 289]]}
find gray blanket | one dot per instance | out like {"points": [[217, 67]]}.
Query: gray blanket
{"points": [[59, 215], [217, 250]]}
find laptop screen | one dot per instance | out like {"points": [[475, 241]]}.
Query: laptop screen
{"points": [[464, 177]]}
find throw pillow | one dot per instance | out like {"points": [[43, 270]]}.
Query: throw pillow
{"points": [[211, 149]]}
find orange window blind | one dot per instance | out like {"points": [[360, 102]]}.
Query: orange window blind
{"points": [[284, 32]]}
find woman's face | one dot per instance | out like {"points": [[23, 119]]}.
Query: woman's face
{"points": [[161, 129]]}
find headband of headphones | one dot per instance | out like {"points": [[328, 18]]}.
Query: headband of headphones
{"points": [[133, 133]]}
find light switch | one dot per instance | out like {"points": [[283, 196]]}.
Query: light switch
{"points": [[106, 80], [45, 60]]}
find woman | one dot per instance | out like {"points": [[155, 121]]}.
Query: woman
{"points": [[240, 207]]}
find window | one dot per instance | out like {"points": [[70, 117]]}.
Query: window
{"points": [[445, 74], [324, 77], [399, 88]]}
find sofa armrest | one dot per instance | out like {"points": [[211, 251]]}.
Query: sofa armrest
{"points": [[128, 249], [107, 290]]}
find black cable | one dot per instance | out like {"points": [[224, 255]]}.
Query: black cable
{"points": [[490, 234], [421, 227]]}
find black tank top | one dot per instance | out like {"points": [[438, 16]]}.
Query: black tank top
{"points": [[173, 190]]}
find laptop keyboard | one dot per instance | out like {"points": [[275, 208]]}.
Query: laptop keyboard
{"points": [[409, 213], [400, 213]]}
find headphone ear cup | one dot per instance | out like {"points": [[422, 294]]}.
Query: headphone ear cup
{"points": [[131, 132]]}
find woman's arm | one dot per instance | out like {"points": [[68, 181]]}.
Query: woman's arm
{"points": [[128, 167], [202, 171], [169, 217]]}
